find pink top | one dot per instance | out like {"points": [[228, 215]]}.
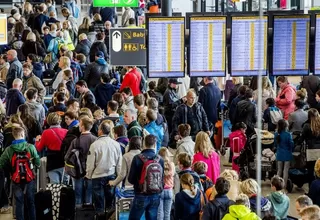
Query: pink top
{"points": [[168, 176], [213, 163]]}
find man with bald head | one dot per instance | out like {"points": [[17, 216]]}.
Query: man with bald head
{"points": [[191, 112], [15, 70]]}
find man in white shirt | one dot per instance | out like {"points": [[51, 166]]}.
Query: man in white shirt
{"points": [[103, 163]]}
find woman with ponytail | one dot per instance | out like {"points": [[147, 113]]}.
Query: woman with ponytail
{"points": [[166, 196], [188, 202]]}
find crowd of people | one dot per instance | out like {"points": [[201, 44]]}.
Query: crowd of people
{"points": [[102, 128]]}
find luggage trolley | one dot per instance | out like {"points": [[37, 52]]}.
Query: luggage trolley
{"points": [[123, 204]]}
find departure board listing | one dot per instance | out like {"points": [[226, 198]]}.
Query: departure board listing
{"points": [[317, 47], [166, 47], [207, 46], [249, 38], [291, 45]]}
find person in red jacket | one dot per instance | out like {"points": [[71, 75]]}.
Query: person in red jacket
{"points": [[132, 80], [52, 139]]}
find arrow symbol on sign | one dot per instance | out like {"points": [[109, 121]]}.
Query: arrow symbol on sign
{"points": [[116, 34], [116, 41]]}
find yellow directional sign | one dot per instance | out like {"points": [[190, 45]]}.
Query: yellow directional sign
{"points": [[127, 35], [130, 47]]}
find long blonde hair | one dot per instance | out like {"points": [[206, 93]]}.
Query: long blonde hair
{"points": [[203, 144], [314, 118], [164, 153], [188, 180], [85, 23], [266, 83]]}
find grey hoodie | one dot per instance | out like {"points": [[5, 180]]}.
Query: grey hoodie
{"points": [[37, 111]]}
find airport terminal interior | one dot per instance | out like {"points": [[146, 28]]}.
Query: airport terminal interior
{"points": [[170, 51]]}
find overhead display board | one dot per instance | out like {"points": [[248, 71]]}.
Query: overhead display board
{"points": [[116, 3], [249, 41], [165, 51], [3, 29], [290, 54], [207, 53], [317, 47]]}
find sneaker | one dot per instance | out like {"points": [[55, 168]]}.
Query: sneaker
{"points": [[5, 210]]}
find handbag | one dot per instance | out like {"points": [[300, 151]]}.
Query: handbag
{"points": [[38, 58]]}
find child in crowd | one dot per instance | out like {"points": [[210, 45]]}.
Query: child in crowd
{"points": [[310, 213], [166, 197], [272, 114], [280, 202], [68, 81], [251, 188], [201, 169], [238, 141], [81, 59], [184, 166], [285, 146], [241, 210], [185, 144], [120, 135], [23, 186], [188, 202]]}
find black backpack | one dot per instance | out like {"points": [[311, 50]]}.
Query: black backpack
{"points": [[220, 209]]}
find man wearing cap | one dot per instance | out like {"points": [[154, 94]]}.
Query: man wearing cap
{"points": [[171, 101], [94, 70], [132, 80]]}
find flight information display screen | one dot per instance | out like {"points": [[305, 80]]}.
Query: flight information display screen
{"points": [[207, 54], [291, 45], [249, 41], [166, 50], [317, 47]]}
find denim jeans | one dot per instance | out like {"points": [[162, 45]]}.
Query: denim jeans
{"points": [[83, 190], [20, 192], [103, 194], [164, 209], [55, 175], [145, 203]]}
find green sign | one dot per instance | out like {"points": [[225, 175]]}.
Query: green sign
{"points": [[116, 3]]}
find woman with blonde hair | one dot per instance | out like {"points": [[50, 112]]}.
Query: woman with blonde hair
{"points": [[166, 196], [189, 201], [311, 135], [83, 46], [84, 27], [64, 64], [69, 35], [267, 92], [205, 152], [233, 177], [310, 213], [98, 23], [315, 185], [251, 188]]}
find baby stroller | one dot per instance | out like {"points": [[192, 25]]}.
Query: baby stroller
{"points": [[247, 159], [298, 174]]}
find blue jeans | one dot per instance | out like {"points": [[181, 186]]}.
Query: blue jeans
{"points": [[83, 190], [20, 192], [55, 175], [145, 203], [103, 194], [164, 209]]}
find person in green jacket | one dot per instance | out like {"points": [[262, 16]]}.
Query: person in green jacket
{"points": [[241, 210], [280, 201], [130, 118], [22, 189]]}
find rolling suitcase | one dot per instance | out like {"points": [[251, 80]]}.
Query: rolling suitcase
{"points": [[43, 203]]}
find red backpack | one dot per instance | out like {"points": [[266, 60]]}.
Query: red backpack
{"points": [[151, 179], [21, 167]]}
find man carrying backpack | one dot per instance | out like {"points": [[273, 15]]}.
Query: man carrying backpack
{"points": [[217, 208], [21, 157], [146, 174]]}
